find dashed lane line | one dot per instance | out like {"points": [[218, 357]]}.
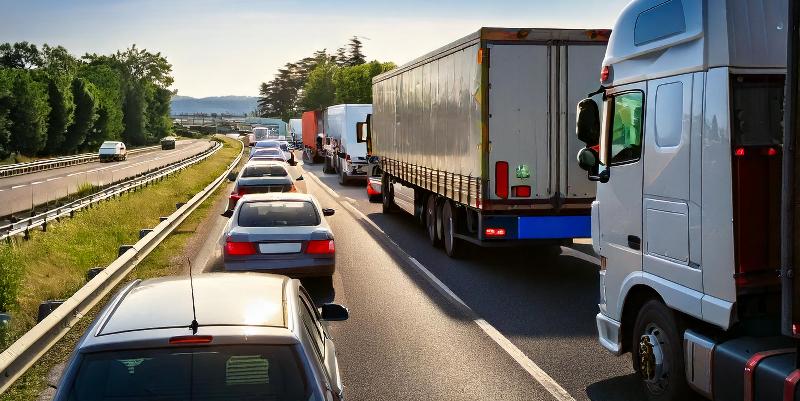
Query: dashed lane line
{"points": [[515, 353]]}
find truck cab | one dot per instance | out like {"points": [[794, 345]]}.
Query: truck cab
{"points": [[686, 150]]}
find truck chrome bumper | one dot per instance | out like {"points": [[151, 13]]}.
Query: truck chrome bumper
{"points": [[608, 331]]}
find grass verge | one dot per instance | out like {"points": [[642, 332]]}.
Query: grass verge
{"points": [[53, 265]]}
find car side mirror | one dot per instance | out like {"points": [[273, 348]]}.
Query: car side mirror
{"points": [[232, 176], [588, 122], [227, 213], [328, 212], [300, 178], [333, 312]]}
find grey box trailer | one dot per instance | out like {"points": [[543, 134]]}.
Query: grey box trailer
{"points": [[479, 135]]}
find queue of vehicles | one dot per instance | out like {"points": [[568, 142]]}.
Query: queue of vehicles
{"points": [[689, 198]]}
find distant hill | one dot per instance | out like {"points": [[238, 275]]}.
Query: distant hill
{"points": [[216, 104]]}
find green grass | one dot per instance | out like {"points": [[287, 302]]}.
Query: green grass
{"points": [[53, 265]]}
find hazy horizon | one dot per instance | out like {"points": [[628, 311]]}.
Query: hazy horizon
{"points": [[227, 48]]}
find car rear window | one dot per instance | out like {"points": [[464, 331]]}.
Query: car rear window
{"points": [[204, 373], [264, 171], [278, 214]]}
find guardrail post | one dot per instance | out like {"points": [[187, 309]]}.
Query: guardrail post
{"points": [[179, 204], [47, 307], [44, 225], [162, 219], [5, 318], [143, 232], [26, 235], [123, 249], [94, 271]]}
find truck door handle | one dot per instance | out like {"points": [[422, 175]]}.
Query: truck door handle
{"points": [[634, 242]]}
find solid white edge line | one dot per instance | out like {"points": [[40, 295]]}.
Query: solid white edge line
{"points": [[36, 182], [18, 186], [326, 188], [54, 178], [515, 353]]}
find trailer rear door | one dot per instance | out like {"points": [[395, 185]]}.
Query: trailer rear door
{"points": [[519, 123]]}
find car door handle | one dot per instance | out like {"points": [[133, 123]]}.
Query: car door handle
{"points": [[634, 242]]}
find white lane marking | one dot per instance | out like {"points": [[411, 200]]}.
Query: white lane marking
{"points": [[323, 186], [36, 182], [54, 178], [73, 174], [18, 186], [515, 353]]}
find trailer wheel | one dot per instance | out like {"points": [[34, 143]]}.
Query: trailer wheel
{"points": [[657, 353], [453, 246], [388, 194], [430, 220]]}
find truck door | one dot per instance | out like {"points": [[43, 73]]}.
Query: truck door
{"points": [[619, 201], [667, 202]]}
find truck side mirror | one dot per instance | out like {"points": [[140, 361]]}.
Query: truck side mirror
{"points": [[588, 122], [589, 161]]}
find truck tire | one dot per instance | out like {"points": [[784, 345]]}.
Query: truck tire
{"points": [[430, 221], [343, 178], [388, 194], [453, 246], [326, 168], [657, 337]]}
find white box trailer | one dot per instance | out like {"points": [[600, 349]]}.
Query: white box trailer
{"points": [[344, 154], [479, 135]]}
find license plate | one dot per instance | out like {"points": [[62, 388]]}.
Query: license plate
{"points": [[290, 247]]}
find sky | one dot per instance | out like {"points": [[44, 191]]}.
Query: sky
{"points": [[220, 48]]}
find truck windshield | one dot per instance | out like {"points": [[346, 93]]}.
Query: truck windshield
{"points": [[757, 108], [203, 373]]}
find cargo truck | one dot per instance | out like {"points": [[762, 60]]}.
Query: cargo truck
{"points": [[688, 223], [295, 131], [344, 154], [312, 136], [475, 138]]}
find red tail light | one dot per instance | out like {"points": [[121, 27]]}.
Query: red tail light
{"points": [[191, 340], [347, 157], [239, 248], [501, 179], [495, 232], [605, 74], [321, 247], [739, 152], [370, 190], [772, 152], [521, 191]]}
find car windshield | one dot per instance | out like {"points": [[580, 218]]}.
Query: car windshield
{"points": [[107, 145], [264, 171], [205, 373], [268, 145], [278, 214], [267, 152]]}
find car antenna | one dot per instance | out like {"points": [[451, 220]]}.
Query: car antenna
{"points": [[194, 325]]}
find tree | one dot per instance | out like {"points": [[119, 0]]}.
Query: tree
{"points": [[6, 81], [22, 55], [159, 124], [59, 118], [356, 57], [28, 114], [354, 84], [85, 115], [341, 57], [106, 84], [133, 108], [319, 91]]}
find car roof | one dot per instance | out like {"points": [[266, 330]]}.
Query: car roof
{"points": [[220, 299], [271, 196]]}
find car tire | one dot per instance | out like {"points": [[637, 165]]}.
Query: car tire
{"points": [[376, 198], [388, 194], [453, 246], [430, 220], [656, 321]]}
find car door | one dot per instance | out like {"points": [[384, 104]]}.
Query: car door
{"points": [[619, 201], [323, 340]]}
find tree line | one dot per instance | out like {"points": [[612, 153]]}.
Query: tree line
{"points": [[53, 103], [319, 81]]}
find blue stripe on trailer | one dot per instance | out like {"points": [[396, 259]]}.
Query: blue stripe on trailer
{"points": [[547, 227]]}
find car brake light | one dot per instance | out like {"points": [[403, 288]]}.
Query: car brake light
{"points": [[521, 191], [191, 340], [739, 152], [772, 152], [501, 178], [321, 247], [495, 232], [239, 248]]}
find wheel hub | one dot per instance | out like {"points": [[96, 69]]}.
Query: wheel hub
{"points": [[653, 366]]}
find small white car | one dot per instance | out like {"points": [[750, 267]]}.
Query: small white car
{"points": [[112, 150]]}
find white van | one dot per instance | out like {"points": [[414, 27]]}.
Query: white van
{"points": [[112, 150]]}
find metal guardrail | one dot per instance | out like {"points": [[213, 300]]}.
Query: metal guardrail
{"points": [[21, 355], [10, 170], [24, 226]]}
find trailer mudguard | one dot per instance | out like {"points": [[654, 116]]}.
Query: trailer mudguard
{"points": [[750, 368]]}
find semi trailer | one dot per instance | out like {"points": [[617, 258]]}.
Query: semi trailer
{"points": [[474, 139], [313, 139], [692, 225]]}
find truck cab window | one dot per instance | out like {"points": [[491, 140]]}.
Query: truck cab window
{"points": [[625, 128]]}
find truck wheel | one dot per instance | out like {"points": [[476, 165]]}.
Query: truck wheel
{"points": [[430, 220], [657, 353], [453, 246], [327, 167], [343, 178], [388, 194]]}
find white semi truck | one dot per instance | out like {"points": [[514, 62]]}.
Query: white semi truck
{"points": [[344, 155], [475, 138], [687, 152]]}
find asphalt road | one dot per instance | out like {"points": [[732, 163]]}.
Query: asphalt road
{"points": [[19, 193], [525, 331]]}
